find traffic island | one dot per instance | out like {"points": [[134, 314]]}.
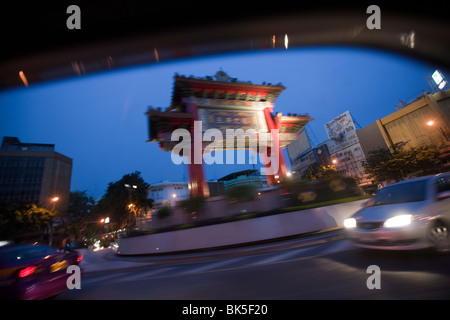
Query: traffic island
{"points": [[240, 232]]}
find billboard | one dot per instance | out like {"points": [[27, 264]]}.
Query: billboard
{"points": [[341, 132], [438, 78]]}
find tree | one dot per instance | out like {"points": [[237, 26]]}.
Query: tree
{"points": [[377, 167], [124, 200], [26, 219], [425, 159], [383, 165], [80, 213], [317, 171]]}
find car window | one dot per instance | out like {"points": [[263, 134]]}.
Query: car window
{"points": [[14, 255], [405, 192], [443, 184]]}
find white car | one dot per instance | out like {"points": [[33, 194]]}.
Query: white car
{"points": [[408, 215]]}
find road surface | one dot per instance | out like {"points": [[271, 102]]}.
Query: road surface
{"points": [[318, 268]]}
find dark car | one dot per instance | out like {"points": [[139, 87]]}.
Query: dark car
{"points": [[36, 271]]}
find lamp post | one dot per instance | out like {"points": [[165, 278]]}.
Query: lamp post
{"points": [[174, 196], [347, 170], [105, 221], [132, 207], [50, 223]]}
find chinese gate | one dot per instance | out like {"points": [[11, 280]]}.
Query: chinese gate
{"points": [[222, 103]]}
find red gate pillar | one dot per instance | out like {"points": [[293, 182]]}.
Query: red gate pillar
{"points": [[282, 168], [198, 187]]}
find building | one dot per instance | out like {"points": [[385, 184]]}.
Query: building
{"points": [[34, 172], [343, 149], [168, 193], [346, 151], [370, 139], [250, 177], [302, 162], [303, 154], [425, 121]]}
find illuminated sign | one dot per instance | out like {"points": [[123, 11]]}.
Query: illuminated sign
{"points": [[438, 78]]}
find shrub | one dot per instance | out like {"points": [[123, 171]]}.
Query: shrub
{"points": [[241, 193], [163, 212], [323, 190], [193, 204]]}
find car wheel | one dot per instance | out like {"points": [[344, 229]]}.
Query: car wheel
{"points": [[439, 236]]}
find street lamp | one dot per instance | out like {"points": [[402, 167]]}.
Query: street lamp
{"points": [[174, 196], [432, 123], [50, 223], [105, 220], [347, 170]]}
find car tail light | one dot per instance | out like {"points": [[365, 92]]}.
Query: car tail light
{"points": [[26, 271], [79, 258]]}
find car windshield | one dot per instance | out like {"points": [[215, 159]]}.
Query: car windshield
{"points": [[405, 192]]}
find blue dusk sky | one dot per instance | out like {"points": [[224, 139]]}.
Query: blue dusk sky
{"points": [[99, 120]]}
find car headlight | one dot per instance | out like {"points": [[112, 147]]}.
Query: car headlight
{"points": [[398, 221], [350, 223]]}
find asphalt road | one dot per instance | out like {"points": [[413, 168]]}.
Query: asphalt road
{"points": [[318, 268]]}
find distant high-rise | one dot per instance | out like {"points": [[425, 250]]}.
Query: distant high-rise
{"points": [[34, 172]]}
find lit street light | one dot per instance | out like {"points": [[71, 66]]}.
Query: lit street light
{"points": [[431, 123], [105, 220], [50, 223]]}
